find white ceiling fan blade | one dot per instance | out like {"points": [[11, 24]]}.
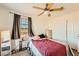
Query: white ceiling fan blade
{"points": [[41, 13], [38, 8], [57, 9]]}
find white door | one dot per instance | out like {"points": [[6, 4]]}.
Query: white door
{"points": [[73, 30], [76, 33]]}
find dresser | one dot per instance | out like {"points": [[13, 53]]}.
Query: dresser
{"points": [[5, 43]]}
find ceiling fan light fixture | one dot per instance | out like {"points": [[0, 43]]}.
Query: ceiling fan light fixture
{"points": [[49, 14], [46, 12]]}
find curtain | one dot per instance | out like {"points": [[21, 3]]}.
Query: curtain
{"points": [[15, 29], [30, 32]]}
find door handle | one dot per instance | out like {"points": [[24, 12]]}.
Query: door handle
{"points": [[77, 36]]}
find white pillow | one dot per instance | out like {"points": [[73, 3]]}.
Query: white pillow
{"points": [[36, 38]]}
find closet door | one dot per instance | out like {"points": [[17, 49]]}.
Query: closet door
{"points": [[73, 30], [76, 33]]}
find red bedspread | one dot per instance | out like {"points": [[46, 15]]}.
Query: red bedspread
{"points": [[50, 48]]}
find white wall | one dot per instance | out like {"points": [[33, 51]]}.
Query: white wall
{"points": [[6, 19], [58, 26], [40, 24]]}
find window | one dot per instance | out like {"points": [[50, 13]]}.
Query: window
{"points": [[23, 27]]}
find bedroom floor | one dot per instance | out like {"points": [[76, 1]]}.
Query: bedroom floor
{"points": [[22, 53], [26, 53], [75, 52]]}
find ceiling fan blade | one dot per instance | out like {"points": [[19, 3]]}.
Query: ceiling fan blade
{"points": [[57, 9], [38, 8], [50, 5], [41, 13]]}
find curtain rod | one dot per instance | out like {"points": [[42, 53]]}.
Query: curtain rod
{"points": [[18, 14]]}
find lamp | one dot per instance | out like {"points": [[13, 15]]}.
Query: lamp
{"points": [[49, 33]]}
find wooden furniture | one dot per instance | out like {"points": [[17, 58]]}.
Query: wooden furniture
{"points": [[5, 43]]}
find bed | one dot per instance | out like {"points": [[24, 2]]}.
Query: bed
{"points": [[46, 47]]}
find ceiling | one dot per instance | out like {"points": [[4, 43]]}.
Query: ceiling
{"points": [[26, 8]]}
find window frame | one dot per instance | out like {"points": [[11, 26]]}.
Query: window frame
{"points": [[26, 29]]}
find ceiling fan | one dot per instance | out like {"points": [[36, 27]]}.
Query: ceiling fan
{"points": [[49, 8]]}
